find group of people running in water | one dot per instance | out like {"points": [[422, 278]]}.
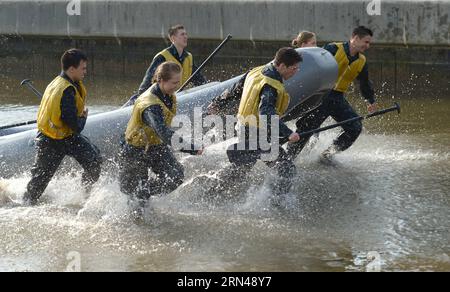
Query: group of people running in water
{"points": [[148, 136]]}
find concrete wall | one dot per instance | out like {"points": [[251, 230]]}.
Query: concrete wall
{"points": [[399, 22], [121, 38], [117, 68]]}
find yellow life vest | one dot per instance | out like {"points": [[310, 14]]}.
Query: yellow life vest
{"points": [[186, 66], [49, 115], [249, 106], [347, 73], [138, 134]]}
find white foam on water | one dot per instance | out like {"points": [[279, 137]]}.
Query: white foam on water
{"points": [[199, 235], [374, 148], [11, 190], [106, 202]]}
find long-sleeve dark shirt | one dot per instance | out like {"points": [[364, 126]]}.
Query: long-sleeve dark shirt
{"points": [[268, 101], [227, 103], [69, 107], [198, 79], [365, 85], [153, 117]]}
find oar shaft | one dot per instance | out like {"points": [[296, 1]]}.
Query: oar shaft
{"points": [[205, 62], [396, 107], [330, 126], [27, 83], [17, 125], [30, 86]]}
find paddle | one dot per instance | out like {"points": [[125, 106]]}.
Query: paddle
{"points": [[250, 156], [18, 124], [396, 107], [135, 96], [205, 62], [29, 85]]}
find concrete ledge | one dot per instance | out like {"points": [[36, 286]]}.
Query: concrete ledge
{"points": [[399, 22]]}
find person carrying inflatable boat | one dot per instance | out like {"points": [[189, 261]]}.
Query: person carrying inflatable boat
{"points": [[148, 137], [351, 65], [61, 118], [175, 53], [264, 95]]}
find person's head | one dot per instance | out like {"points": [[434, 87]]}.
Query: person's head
{"points": [[305, 39], [74, 64], [361, 39], [287, 61], [168, 76], [178, 36]]}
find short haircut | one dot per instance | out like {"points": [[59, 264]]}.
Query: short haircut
{"points": [[72, 58], [174, 29], [287, 56], [362, 31]]}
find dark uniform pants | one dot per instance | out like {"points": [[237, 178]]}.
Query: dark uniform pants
{"points": [[238, 171], [336, 106], [49, 156], [135, 164]]}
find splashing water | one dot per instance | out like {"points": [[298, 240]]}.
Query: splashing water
{"points": [[333, 217], [387, 195]]}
